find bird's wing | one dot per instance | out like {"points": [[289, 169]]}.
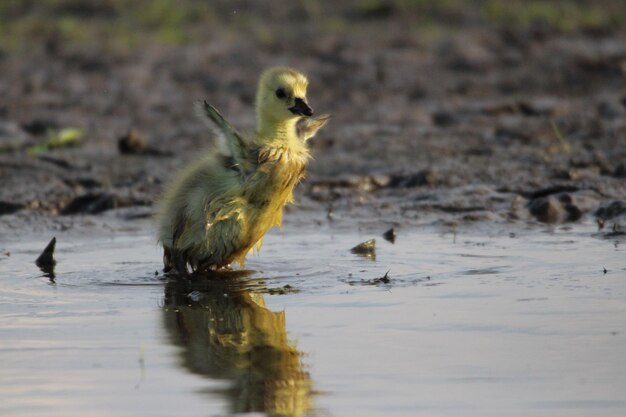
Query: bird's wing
{"points": [[308, 127], [230, 142]]}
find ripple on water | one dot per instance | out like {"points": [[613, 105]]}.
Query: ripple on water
{"points": [[432, 326]]}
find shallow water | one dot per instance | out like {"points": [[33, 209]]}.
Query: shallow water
{"points": [[510, 322]]}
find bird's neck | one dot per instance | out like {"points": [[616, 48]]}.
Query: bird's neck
{"points": [[278, 132]]}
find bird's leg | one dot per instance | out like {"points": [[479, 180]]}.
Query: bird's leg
{"points": [[167, 260], [179, 262]]}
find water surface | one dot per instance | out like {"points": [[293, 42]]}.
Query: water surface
{"points": [[521, 322]]}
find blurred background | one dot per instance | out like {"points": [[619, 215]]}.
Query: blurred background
{"points": [[463, 108]]}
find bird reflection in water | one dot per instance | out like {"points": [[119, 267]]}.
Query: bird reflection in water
{"points": [[228, 333]]}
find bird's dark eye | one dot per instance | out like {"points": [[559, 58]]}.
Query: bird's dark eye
{"points": [[280, 93]]}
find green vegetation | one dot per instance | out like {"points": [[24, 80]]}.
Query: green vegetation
{"points": [[112, 23], [132, 23], [57, 139], [564, 15], [62, 138]]}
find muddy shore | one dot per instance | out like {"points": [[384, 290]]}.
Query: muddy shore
{"points": [[482, 122]]}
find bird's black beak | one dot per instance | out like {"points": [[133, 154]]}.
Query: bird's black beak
{"points": [[301, 108]]}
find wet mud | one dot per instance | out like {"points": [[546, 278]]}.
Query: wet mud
{"points": [[474, 121]]}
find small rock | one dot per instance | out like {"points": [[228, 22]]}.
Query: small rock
{"points": [[422, 178], [555, 209], [39, 127], [87, 182], [366, 249], [620, 171], [90, 204], [609, 110], [544, 192], [390, 235], [574, 213], [538, 107], [545, 209], [444, 118], [416, 92], [504, 132], [131, 143], [615, 209], [46, 261], [8, 207]]}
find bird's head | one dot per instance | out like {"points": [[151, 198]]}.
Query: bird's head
{"points": [[281, 95]]}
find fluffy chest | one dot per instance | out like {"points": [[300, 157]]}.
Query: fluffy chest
{"points": [[279, 170]]}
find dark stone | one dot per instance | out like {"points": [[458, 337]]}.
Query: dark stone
{"points": [[545, 209], [444, 118], [8, 208], [416, 92], [88, 182], [46, 261], [544, 192], [616, 208], [38, 127], [565, 198], [555, 208], [131, 143], [453, 208], [390, 235], [84, 182], [511, 133], [574, 213], [543, 107], [608, 110], [419, 179], [90, 204], [620, 171]]}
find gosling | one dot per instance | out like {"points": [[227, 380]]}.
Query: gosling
{"points": [[219, 208]]}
